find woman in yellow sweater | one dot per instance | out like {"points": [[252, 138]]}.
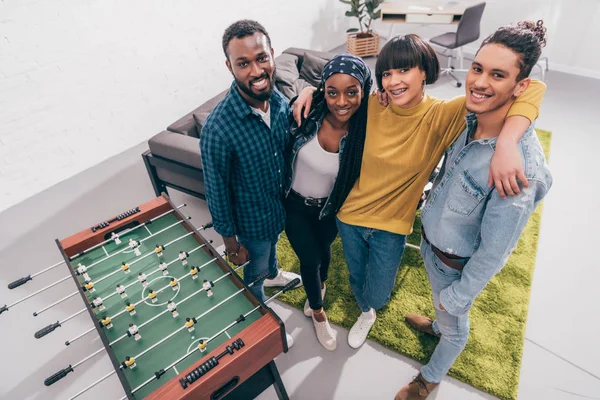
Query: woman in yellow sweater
{"points": [[404, 142]]}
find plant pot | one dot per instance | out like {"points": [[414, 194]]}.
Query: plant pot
{"points": [[362, 46]]}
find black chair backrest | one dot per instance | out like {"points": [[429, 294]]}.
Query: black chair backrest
{"points": [[468, 29]]}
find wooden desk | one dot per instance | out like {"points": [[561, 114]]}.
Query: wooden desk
{"points": [[417, 12]]}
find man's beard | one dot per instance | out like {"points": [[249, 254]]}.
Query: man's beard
{"points": [[263, 96]]}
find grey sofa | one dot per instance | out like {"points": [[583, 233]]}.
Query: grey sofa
{"points": [[173, 159]]}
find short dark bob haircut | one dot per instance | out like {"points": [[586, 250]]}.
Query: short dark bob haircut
{"points": [[408, 51]]}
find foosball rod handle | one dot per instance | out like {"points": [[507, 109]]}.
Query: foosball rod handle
{"points": [[3, 308], [58, 376], [291, 285], [44, 331], [19, 282]]}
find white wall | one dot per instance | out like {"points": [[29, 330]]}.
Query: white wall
{"points": [[83, 80]]}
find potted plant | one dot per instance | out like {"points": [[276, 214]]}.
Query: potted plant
{"points": [[363, 41]]}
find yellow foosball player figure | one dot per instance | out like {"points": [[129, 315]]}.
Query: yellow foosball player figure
{"points": [[129, 362], [194, 272], [125, 267], [173, 284], [202, 345], [130, 308], [121, 291], [89, 286], [152, 296], [158, 250], [106, 322], [163, 267], [133, 331], [189, 323], [171, 306]]}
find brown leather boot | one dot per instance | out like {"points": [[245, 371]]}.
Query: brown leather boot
{"points": [[422, 324], [418, 389]]}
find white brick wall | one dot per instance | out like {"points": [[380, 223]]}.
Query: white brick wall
{"points": [[81, 81]]}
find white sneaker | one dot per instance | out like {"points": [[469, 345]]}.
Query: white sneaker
{"points": [[289, 339], [325, 334], [360, 329], [307, 309], [282, 279]]}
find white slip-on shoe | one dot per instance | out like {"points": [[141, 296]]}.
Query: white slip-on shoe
{"points": [[307, 309], [325, 335], [282, 279], [359, 331], [289, 339]]}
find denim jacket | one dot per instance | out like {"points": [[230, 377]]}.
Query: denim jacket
{"points": [[464, 217], [297, 141]]}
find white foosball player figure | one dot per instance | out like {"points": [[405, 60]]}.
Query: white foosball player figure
{"points": [[183, 255], [115, 237], [142, 279], [189, 323], [121, 291], [134, 244], [97, 302], [133, 331], [163, 267], [208, 287], [130, 308], [158, 250], [171, 306], [82, 270]]}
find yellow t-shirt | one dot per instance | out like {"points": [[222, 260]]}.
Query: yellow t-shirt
{"points": [[402, 147]]}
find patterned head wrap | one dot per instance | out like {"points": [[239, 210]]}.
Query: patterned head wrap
{"points": [[350, 65]]}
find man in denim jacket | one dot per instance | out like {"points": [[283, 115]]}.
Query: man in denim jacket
{"points": [[469, 230]]}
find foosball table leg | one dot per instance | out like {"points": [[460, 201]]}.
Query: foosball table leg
{"points": [[277, 382]]}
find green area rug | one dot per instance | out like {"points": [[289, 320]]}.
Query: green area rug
{"points": [[492, 359]]}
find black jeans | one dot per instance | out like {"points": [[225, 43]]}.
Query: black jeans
{"points": [[311, 239]]}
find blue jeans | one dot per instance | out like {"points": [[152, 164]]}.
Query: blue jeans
{"points": [[263, 257], [373, 257], [454, 330]]}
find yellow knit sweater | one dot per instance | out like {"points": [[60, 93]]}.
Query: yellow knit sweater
{"points": [[402, 148]]}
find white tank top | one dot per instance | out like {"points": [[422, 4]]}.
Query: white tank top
{"points": [[315, 170]]}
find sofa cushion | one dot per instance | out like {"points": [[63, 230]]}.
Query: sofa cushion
{"points": [[187, 125], [286, 74], [176, 147], [311, 69]]}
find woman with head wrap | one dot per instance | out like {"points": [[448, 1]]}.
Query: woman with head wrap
{"points": [[324, 161]]}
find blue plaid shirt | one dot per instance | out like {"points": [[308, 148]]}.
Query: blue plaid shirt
{"points": [[244, 167]]}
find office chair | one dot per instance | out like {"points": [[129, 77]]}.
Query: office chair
{"points": [[467, 32]]}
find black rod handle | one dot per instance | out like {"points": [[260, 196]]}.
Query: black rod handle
{"points": [[19, 282], [3, 308], [58, 376], [44, 331], [291, 285]]}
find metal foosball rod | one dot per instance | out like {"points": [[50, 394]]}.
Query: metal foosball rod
{"points": [[68, 342], [24, 280], [64, 372], [7, 307], [117, 270], [208, 364], [52, 327]]}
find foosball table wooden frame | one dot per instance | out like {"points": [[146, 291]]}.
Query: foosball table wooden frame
{"points": [[244, 373]]}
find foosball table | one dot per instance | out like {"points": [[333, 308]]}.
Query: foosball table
{"points": [[175, 319]]}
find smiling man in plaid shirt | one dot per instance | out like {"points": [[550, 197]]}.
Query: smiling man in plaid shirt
{"points": [[242, 146]]}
